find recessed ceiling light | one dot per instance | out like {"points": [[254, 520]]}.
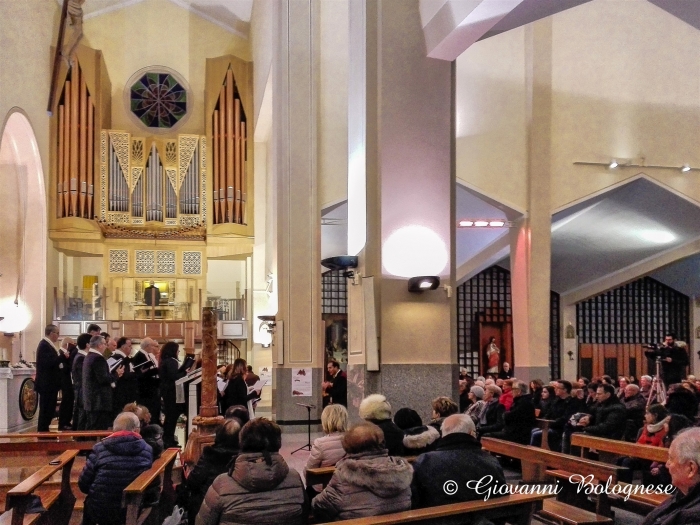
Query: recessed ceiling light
{"points": [[466, 223], [481, 223], [613, 164], [497, 223], [685, 168]]}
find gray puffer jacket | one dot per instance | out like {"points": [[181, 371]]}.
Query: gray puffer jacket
{"points": [[326, 452], [365, 484], [259, 491]]}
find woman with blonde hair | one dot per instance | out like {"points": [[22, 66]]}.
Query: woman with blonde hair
{"points": [[328, 450]]}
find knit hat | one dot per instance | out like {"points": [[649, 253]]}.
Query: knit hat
{"points": [[375, 406], [477, 391], [406, 418]]}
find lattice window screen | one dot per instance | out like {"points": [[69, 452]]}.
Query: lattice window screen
{"points": [[334, 293]]}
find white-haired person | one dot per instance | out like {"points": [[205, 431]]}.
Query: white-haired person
{"points": [[683, 507], [376, 409], [328, 450]]}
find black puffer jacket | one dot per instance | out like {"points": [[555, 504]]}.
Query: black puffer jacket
{"points": [[393, 436], [215, 460], [113, 463], [608, 419]]}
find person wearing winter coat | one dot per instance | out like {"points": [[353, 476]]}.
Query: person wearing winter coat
{"points": [[608, 418], [652, 433], [520, 420], [261, 488], [376, 409], [683, 507], [442, 407], [112, 465], [457, 449], [328, 450], [418, 438], [214, 461], [367, 482], [491, 419]]}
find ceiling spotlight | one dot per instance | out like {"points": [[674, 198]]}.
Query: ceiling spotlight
{"points": [[481, 224], [464, 224], [422, 283], [613, 164], [685, 168], [497, 224]]}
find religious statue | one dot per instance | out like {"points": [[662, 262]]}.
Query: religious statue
{"points": [[493, 356]]}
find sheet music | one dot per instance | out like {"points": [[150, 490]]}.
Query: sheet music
{"points": [[114, 363], [257, 386]]}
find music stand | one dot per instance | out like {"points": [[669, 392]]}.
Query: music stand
{"points": [[308, 444]]}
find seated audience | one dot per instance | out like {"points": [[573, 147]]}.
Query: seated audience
{"points": [[442, 407], [583, 382], [464, 401], [476, 395], [622, 383], [520, 419], [376, 409], [260, 488], [112, 465], [141, 412], [645, 388], [327, 450], [635, 404], [591, 397], [536, 386], [681, 401], [608, 417], [367, 482], [418, 438], [457, 448], [506, 398], [238, 412], [491, 419], [683, 507], [547, 397], [153, 436], [652, 433], [559, 412], [214, 461]]}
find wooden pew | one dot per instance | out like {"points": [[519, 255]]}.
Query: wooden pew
{"points": [[609, 450], [133, 495], [516, 508], [535, 463], [58, 503], [543, 424], [323, 475], [50, 442]]}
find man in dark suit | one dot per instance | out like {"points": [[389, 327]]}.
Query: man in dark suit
{"points": [[337, 387], [151, 295], [127, 389], [146, 365], [49, 364], [97, 386], [65, 413], [79, 418]]}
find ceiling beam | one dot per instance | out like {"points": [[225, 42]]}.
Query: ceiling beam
{"points": [[630, 273]]}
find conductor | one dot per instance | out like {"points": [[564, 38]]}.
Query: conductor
{"points": [[151, 295], [674, 359]]}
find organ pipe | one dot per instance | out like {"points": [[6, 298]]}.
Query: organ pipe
{"points": [[215, 178], [75, 147], [229, 146]]}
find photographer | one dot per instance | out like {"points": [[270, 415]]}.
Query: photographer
{"points": [[674, 359]]}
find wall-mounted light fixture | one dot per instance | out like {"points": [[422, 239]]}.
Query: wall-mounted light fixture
{"points": [[484, 223], [422, 283], [570, 353]]}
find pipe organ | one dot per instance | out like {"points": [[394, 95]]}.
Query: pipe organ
{"points": [[165, 186], [229, 134], [75, 147]]}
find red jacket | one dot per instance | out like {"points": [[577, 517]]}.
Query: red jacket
{"points": [[655, 440]]}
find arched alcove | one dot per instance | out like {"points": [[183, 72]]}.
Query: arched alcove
{"points": [[23, 233]]}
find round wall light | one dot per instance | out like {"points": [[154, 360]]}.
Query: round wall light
{"points": [[414, 250]]}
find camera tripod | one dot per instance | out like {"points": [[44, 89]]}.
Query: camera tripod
{"points": [[658, 389]]}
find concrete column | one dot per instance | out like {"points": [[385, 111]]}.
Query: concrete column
{"points": [[295, 80], [531, 239], [400, 139]]}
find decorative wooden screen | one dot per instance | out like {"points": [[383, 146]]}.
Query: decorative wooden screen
{"points": [[334, 292], [492, 286], [75, 149], [636, 313], [229, 134], [613, 326]]}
